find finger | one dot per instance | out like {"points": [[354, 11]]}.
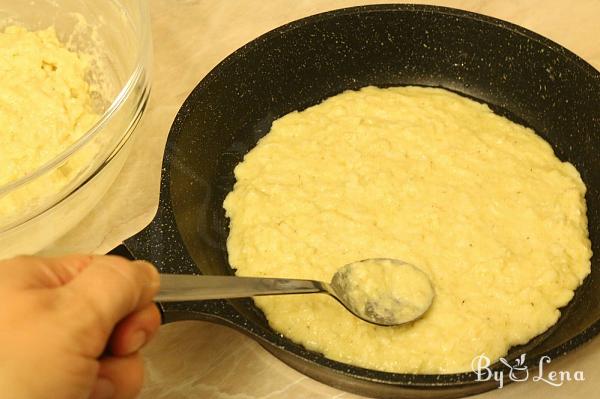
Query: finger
{"points": [[119, 378], [27, 272], [133, 332], [110, 288]]}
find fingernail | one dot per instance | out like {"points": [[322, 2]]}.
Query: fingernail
{"points": [[104, 389], [138, 339], [152, 271]]}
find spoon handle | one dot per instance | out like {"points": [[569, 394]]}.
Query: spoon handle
{"points": [[187, 287]]}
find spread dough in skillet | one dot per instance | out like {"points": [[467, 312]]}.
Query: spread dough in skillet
{"points": [[479, 203]]}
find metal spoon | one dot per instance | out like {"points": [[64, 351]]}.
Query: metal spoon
{"points": [[381, 291]]}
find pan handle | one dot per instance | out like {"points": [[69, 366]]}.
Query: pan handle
{"points": [[122, 251], [201, 310]]}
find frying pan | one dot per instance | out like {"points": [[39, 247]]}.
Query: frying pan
{"points": [[518, 73]]}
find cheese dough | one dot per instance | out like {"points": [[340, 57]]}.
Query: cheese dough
{"points": [[45, 106], [479, 203]]}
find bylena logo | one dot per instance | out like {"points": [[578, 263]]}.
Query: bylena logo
{"points": [[519, 372]]}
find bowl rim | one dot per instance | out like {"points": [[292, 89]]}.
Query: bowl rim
{"points": [[116, 104], [416, 381]]}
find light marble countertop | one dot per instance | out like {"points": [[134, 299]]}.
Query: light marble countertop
{"points": [[202, 360]]}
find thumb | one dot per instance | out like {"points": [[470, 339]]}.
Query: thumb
{"points": [[109, 289]]}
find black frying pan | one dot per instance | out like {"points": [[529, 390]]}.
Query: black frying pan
{"points": [[520, 74]]}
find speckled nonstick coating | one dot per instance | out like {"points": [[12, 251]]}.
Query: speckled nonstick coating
{"points": [[517, 72]]}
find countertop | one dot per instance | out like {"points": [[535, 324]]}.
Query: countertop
{"points": [[202, 360]]}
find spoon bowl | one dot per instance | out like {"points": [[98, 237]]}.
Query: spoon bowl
{"points": [[383, 291]]}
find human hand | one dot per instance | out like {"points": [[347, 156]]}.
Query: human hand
{"points": [[71, 327]]}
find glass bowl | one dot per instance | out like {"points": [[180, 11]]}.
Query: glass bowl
{"points": [[116, 36]]}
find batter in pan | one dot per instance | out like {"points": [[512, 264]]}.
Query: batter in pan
{"points": [[479, 203]]}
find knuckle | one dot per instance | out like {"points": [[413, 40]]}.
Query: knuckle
{"points": [[127, 284], [89, 325]]}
